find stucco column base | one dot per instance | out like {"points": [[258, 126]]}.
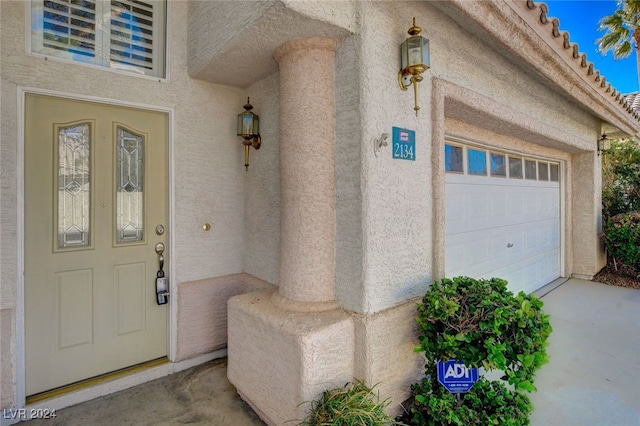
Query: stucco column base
{"points": [[384, 353], [278, 358], [298, 306]]}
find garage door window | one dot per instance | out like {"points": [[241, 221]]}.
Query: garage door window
{"points": [[477, 162], [530, 169], [498, 167], [554, 172], [453, 161], [463, 159], [515, 167], [543, 171]]}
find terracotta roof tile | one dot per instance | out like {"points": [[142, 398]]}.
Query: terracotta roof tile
{"points": [[631, 102]]}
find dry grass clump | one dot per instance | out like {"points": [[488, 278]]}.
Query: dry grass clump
{"points": [[355, 404]]}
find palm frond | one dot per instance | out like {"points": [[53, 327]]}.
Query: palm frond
{"points": [[612, 23], [609, 41], [620, 28], [623, 50]]}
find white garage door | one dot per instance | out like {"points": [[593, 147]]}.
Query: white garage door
{"points": [[502, 217]]}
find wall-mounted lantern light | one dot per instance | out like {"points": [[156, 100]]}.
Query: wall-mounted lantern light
{"points": [[414, 57], [603, 144], [249, 130]]}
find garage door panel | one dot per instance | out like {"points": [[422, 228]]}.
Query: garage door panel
{"points": [[540, 270], [516, 205], [488, 250], [526, 275], [503, 227], [480, 207]]}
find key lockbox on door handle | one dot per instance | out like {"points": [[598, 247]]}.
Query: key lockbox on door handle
{"points": [[162, 282]]}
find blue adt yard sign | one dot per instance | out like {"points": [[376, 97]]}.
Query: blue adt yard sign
{"points": [[456, 377], [404, 144]]}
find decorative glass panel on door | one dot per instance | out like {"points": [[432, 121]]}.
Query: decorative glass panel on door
{"points": [[129, 186], [74, 192]]}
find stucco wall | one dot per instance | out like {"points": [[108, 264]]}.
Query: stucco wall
{"points": [[587, 219], [262, 185], [397, 194], [461, 57], [202, 313]]}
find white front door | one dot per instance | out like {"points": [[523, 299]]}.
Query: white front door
{"points": [[95, 191], [502, 217]]}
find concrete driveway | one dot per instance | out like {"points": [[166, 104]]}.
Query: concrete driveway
{"points": [[593, 377]]}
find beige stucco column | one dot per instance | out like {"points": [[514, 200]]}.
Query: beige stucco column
{"points": [[286, 347], [307, 181], [586, 220]]}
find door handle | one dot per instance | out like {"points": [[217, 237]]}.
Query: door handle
{"points": [[159, 251], [162, 282]]}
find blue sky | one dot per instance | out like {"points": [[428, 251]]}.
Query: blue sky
{"points": [[580, 20]]}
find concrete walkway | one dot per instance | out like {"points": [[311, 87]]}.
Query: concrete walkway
{"points": [[593, 377], [198, 396]]}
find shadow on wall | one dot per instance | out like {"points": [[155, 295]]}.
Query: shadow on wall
{"points": [[202, 311]]}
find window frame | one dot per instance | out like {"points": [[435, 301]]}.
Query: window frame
{"points": [[522, 158], [34, 10], [470, 158], [505, 164], [463, 159]]}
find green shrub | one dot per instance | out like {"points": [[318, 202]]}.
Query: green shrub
{"points": [[485, 325], [355, 404], [621, 178], [622, 237], [487, 403]]}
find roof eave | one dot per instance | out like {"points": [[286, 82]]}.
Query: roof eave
{"points": [[534, 42]]}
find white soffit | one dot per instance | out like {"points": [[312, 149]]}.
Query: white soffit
{"points": [[233, 42]]}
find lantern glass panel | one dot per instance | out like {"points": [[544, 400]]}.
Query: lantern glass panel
{"points": [[245, 124], [415, 50], [256, 125], [425, 52], [404, 54]]}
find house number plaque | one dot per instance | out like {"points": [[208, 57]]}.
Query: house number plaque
{"points": [[404, 144]]}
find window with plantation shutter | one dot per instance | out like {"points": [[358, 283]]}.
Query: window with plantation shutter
{"points": [[122, 34]]}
